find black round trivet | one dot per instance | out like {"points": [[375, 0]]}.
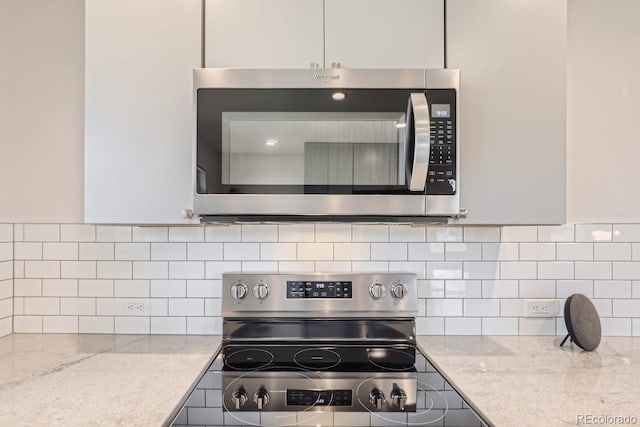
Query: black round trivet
{"points": [[582, 321]]}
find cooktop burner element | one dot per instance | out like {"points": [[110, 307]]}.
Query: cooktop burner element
{"points": [[324, 350]]}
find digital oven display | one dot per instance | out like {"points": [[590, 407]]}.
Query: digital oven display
{"points": [[319, 398], [319, 289]]}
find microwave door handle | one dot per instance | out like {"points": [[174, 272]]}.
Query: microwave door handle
{"points": [[417, 137]]}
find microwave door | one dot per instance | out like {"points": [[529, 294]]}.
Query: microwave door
{"points": [[417, 142]]}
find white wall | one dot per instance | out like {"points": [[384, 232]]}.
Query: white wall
{"points": [[603, 110], [5, 141], [42, 150]]}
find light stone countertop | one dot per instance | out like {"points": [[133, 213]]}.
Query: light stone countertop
{"points": [[97, 380], [128, 380], [530, 381]]}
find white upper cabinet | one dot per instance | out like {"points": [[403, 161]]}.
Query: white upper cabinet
{"points": [[511, 56], [140, 57], [263, 33], [384, 33]]}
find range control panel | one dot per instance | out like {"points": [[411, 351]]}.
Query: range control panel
{"points": [[441, 177], [319, 289], [309, 398]]}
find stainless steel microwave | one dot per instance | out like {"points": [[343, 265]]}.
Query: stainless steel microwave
{"points": [[329, 144]]}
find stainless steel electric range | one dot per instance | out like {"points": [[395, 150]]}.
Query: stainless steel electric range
{"points": [[322, 350]]}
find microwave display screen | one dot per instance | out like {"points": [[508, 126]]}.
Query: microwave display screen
{"points": [[439, 111]]}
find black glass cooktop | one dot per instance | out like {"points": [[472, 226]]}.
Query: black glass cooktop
{"points": [[394, 386]]}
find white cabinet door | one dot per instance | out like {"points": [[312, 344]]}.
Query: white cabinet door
{"points": [[263, 33], [140, 57], [511, 57], [384, 33]]}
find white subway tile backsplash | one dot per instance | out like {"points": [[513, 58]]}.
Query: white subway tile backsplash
{"points": [[481, 270], [386, 251], [564, 288], [27, 324], [223, 233], [41, 232], [7, 270], [614, 327], [186, 307], [426, 251], [77, 233], [500, 326], [431, 288], [96, 324], [500, 251], [42, 269], [575, 251], [407, 233], [204, 288], [481, 307], [168, 251], [59, 287], [241, 251], [191, 233], [555, 270], [168, 288], [444, 307], [6, 308], [131, 288], [369, 266], [518, 270], [27, 250], [512, 307], [612, 251], [593, 270], [537, 289], [212, 307], [635, 289], [462, 326], [481, 234], [132, 325], [315, 251], [6, 233], [150, 269], [17, 270], [259, 266], [259, 233], [6, 251], [370, 233], [296, 266], [159, 306], [132, 251], [78, 306], [27, 287], [556, 233], [444, 234], [446, 270], [214, 269], [114, 270], [6, 289], [333, 233], [636, 327], [42, 305], [60, 251], [95, 288], [296, 233], [463, 289], [626, 308], [593, 232], [612, 289], [463, 251], [626, 232], [519, 233], [538, 251], [96, 251], [333, 267], [626, 270], [113, 233], [169, 325], [278, 251], [499, 289], [78, 269], [150, 234], [204, 325], [532, 326], [430, 325], [604, 307]]}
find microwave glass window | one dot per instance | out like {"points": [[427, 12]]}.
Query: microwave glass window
{"points": [[319, 149], [440, 111]]}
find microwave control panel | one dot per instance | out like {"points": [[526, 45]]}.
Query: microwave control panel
{"points": [[441, 175]]}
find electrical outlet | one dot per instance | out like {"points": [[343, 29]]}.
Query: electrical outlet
{"points": [[135, 307], [541, 308]]}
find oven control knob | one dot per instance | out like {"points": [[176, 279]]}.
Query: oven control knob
{"points": [[261, 397], [238, 291], [239, 397], [377, 398], [260, 290], [399, 290], [377, 291], [398, 398]]}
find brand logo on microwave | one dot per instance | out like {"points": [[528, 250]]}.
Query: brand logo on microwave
{"points": [[327, 77]]}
